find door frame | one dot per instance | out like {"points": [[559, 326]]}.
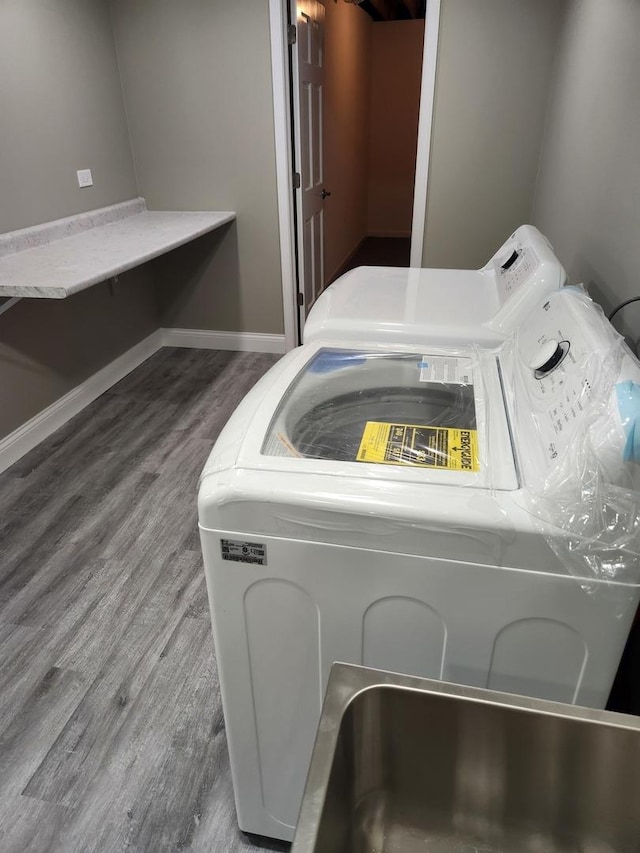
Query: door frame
{"points": [[280, 71]]}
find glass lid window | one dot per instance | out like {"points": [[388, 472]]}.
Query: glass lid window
{"points": [[379, 407]]}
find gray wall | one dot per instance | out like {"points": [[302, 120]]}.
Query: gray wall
{"points": [[495, 60], [61, 110], [588, 195], [197, 84], [48, 346]]}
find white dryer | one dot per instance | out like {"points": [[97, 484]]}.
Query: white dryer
{"points": [[409, 305], [465, 514]]}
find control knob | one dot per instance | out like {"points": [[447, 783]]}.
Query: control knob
{"points": [[548, 357]]}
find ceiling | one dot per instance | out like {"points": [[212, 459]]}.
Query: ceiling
{"points": [[392, 10]]}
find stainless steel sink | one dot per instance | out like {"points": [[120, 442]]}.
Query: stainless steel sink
{"points": [[406, 764]]}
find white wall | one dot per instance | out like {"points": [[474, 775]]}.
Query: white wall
{"points": [[588, 193]]}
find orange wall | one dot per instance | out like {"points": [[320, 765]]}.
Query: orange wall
{"points": [[396, 68], [347, 48]]}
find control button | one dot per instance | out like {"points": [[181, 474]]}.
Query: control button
{"points": [[549, 356], [513, 257]]}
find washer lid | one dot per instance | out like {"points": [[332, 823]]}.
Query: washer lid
{"points": [[389, 414]]}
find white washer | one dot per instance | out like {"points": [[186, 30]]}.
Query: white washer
{"points": [[374, 505], [400, 305]]}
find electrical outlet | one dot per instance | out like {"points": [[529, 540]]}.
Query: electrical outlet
{"points": [[84, 178]]}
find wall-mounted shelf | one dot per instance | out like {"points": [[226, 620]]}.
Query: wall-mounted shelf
{"points": [[57, 259]]}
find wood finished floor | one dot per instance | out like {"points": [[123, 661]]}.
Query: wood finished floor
{"points": [[111, 729], [378, 252]]}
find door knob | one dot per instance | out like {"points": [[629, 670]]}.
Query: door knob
{"points": [[325, 193]]}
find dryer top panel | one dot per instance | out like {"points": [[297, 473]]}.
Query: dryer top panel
{"points": [[444, 306]]}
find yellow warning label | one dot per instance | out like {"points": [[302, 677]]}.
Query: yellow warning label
{"points": [[424, 446]]}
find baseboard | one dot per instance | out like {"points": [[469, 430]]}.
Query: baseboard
{"points": [[30, 434], [345, 262], [395, 235], [239, 341]]}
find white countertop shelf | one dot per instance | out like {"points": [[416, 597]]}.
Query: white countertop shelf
{"points": [[57, 259]]}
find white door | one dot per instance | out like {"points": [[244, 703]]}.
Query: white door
{"points": [[308, 75]]}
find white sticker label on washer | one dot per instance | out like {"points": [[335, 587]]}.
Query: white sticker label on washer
{"points": [[239, 551], [438, 368]]}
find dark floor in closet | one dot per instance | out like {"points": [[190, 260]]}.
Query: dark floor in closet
{"points": [[379, 252], [111, 730]]}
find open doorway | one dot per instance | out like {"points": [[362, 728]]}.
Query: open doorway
{"points": [[284, 59], [373, 65], [356, 73]]}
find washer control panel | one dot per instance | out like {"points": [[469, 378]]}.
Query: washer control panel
{"points": [[567, 397], [561, 352], [524, 268], [516, 269]]}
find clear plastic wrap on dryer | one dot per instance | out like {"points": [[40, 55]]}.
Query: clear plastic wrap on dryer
{"points": [[584, 491]]}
